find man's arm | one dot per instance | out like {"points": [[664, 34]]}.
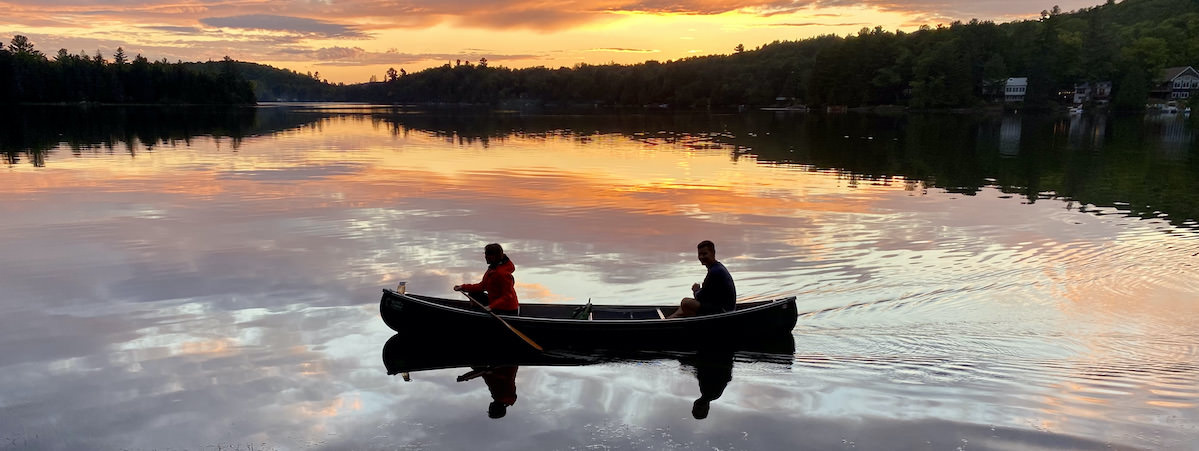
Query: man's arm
{"points": [[701, 291]]}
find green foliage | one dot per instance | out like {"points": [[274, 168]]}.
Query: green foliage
{"points": [[27, 76], [1132, 90], [21, 46], [271, 84]]}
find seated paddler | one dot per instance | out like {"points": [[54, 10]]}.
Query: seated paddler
{"points": [[717, 294], [497, 290]]}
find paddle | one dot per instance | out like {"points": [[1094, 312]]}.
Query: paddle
{"points": [[472, 374], [509, 326]]}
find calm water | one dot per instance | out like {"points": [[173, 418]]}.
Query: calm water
{"points": [[196, 279]]}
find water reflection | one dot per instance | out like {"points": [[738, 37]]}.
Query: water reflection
{"points": [[1088, 131], [32, 131], [501, 382], [193, 296], [497, 365], [1030, 155], [713, 371], [1009, 136]]}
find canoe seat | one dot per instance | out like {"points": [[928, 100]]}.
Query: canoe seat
{"points": [[660, 315]]}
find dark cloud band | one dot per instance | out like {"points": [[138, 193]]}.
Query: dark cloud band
{"points": [[181, 30], [298, 25]]}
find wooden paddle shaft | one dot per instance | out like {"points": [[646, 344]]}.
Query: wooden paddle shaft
{"points": [[509, 326]]}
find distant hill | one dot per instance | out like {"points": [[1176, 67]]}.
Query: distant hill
{"points": [[272, 84]]}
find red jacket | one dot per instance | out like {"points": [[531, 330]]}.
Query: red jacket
{"points": [[499, 285], [501, 382]]}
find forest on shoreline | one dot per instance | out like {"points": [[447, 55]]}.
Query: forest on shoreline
{"points": [[28, 76], [960, 65]]}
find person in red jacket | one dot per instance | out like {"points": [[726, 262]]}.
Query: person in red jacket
{"points": [[497, 290]]}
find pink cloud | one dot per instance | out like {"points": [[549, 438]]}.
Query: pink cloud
{"points": [[349, 18]]}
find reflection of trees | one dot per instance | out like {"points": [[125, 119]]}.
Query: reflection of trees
{"points": [[31, 131], [1093, 160]]}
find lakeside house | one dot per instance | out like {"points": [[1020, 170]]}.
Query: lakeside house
{"points": [[1097, 92], [1014, 89], [1175, 83]]}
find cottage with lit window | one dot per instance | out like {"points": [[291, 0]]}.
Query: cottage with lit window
{"points": [[1014, 89], [1098, 92], [1176, 83]]}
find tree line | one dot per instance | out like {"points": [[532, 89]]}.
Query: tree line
{"points": [[960, 65], [27, 75], [963, 64]]}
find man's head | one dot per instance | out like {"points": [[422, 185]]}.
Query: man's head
{"points": [[492, 252], [706, 252]]}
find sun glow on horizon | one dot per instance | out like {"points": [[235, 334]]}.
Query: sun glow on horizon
{"points": [[346, 45]]}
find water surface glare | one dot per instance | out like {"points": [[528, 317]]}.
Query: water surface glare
{"points": [[212, 281]]}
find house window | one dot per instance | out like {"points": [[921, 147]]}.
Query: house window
{"points": [[1184, 94]]}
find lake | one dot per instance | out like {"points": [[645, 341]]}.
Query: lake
{"points": [[193, 278]]}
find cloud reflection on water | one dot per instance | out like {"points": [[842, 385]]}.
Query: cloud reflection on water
{"points": [[191, 295]]}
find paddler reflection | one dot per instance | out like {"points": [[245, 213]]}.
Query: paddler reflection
{"points": [[713, 370], [497, 365], [501, 382]]}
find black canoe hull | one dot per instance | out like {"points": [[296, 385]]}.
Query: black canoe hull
{"points": [[611, 327]]}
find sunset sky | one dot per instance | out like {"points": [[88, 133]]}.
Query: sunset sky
{"points": [[351, 40]]}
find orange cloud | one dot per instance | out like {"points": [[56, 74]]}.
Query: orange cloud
{"points": [[356, 38]]}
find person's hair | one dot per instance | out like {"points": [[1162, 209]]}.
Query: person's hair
{"points": [[493, 249], [707, 244]]}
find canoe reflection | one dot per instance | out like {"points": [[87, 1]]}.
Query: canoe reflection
{"points": [[497, 365]]}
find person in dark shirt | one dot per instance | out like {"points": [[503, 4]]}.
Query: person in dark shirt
{"points": [[717, 294]]}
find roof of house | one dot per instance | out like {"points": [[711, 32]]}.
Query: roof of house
{"points": [[1171, 73]]}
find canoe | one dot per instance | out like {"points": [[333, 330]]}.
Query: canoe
{"points": [[598, 326], [413, 352]]}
